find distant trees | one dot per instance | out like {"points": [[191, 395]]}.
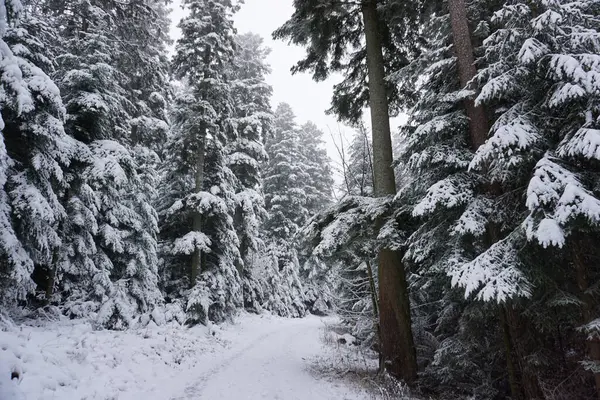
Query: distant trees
{"points": [[253, 119], [297, 183]]}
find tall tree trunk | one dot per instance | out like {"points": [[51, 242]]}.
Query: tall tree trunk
{"points": [[463, 48], [588, 303], [397, 345], [197, 218]]}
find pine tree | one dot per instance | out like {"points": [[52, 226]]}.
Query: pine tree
{"points": [[199, 201], [108, 260], [253, 119], [477, 223], [545, 138], [285, 199], [34, 153], [356, 291], [332, 31], [460, 214], [143, 28]]}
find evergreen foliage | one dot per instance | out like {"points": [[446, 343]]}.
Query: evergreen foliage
{"points": [[133, 186], [497, 235]]}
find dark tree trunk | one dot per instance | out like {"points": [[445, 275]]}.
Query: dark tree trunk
{"points": [[511, 367], [52, 275], [397, 345], [50, 283]]}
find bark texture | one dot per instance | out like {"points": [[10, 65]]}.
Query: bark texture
{"points": [[397, 347], [463, 48]]}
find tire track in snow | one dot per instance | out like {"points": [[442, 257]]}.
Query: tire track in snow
{"points": [[274, 367], [194, 390]]}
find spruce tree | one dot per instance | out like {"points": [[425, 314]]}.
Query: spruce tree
{"points": [[108, 260], [34, 153], [199, 201], [253, 122], [544, 138], [332, 31], [285, 199]]}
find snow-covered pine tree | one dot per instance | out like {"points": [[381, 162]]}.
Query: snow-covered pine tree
{"points": [[143, 29], [459, 212], [285, 198], [253, 119], [356, 295], [347, 236], [34, 152], [198, 203], [107, 263], [359, 40], [545, 138]]}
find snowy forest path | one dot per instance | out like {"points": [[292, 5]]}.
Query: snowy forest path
{"points": [[274, 366]]}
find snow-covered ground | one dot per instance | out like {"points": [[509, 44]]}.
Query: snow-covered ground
{"points": [[257, 357]]}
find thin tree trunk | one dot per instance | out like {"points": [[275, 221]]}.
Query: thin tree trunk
{"points": [[368, 150], [52, 272], [372, 289], [196, 267], [511, 367], [588, 305], [519, 326], [375, 312], [505, 318], [397, 345], [50, 283], [463, 48]]}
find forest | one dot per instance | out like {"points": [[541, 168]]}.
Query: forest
{"points": [[146, 180]]}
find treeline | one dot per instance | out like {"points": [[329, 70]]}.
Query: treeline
{"points": [[134, 187], [474, 270]]}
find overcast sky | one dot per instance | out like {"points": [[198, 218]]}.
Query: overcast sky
{"points": [[308, 99]]}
